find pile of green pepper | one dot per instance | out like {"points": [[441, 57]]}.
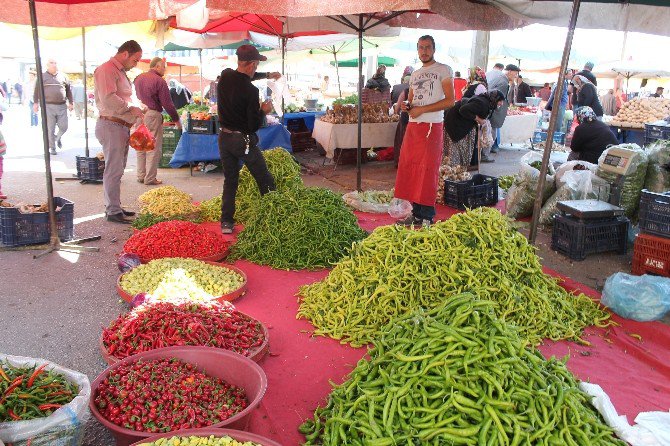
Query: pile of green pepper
{"points": [[397, 270], [302, 228], [32, 392], [457, 375]]}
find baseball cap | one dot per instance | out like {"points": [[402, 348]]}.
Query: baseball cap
{"points": [[512, 67], [248, 53]]}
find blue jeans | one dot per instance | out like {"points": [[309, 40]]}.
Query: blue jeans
{"points": [[33, 115], [423, 212]]}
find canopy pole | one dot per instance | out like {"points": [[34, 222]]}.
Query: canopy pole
{"points": [[83, 46], [360, 102], [54, 241], [337, 71], [202, 96], [283, 68], [537, 205]]}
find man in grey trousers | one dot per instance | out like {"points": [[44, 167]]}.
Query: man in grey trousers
{"points": [[113, 92], [58, 98]]}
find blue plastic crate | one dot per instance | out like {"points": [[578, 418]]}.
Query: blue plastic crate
{"points": [[540, 136], [90, 168], [18, 229]]}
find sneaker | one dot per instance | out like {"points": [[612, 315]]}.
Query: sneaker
{"points": [[209, 167], [53, 151], [227, 227], [486, 159], [410, 220], [495, 149]]}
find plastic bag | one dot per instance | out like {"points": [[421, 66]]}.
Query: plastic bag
{"points": [[577, 186], [570, 166], [485, 136], [652, 428], [142, 140], [369, 201], [641, 298], [400, 208], [633, 183], [658, 171], [63, 427], [521, 196]]}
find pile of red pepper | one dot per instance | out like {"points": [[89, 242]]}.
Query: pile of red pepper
{"points": [[32, 392], [164, 324], [175, 238], [163, 395]]}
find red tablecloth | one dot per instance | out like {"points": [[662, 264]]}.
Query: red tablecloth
{"points": [[299, 367]]}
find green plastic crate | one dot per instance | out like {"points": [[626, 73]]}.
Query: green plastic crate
{"points": [[171, 135]]}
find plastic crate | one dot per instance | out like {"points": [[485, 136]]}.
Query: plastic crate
{"points": [[200, 126], [540, 136], [655, 132], [31, 229], [577, 239], [302, 141], [90, 168], [651, 255], [655, 213], [171, 136], [481, 190], [296, 125]]}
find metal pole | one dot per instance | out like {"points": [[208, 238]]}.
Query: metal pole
{"points": [[283, 67], [337, 70], [202, 96], [360, 102], [83, 45], [537, 205]]}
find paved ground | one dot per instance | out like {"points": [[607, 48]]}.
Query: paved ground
{"points": [[54, 307]]}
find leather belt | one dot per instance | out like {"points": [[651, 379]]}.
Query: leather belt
{"points": [[225, 130], [116, 121]]}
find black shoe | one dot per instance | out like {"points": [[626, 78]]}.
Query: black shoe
{"points": [[227, 227], [128, 213], [486, 159], [59, 143], [410, 220], [53, 151], [495, 149], [119, 218]]}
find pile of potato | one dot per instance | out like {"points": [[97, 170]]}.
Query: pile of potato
{"points": [[637, 112], [348, 114]]}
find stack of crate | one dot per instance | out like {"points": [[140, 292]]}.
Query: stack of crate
{"points": [[652, 247], [171, 135]]}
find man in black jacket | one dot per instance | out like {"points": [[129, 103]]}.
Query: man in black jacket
{"points": [[522, 91], [241, 116]]}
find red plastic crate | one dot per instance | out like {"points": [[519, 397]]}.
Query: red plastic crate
{"points": [[651, 255]]}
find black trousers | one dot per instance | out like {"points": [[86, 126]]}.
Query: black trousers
{"points": [[233, 149]]}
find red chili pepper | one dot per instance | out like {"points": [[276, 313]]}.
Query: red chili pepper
{"points": [[4, 375], [16, 383], [14, 416], [49, 406], [37, 371]]}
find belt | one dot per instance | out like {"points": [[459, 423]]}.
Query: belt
{"points": [[56, 103], [225, 130], [116, 121]]}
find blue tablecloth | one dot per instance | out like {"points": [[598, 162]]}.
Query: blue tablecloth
{"points": [[194, 147], [308, 117], [628, 136]]}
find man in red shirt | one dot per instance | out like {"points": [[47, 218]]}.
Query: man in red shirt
{"points": [[460, 85]]}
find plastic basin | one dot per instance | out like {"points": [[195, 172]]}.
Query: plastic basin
{"points": [[225, 298], [233, 368], [255, 354], [235, 435]]}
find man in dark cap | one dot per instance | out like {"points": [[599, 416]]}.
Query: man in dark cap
{"points": [[497, 119], [241, 116]]}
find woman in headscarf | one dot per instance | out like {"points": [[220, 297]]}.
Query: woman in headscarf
{"points": [[587, 95], [179, 94], [461, 122], [477, 83], [591, 137], [379, 81], [404, 119]]}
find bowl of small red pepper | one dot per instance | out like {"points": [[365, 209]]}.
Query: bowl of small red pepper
{"points": [[166, 324], [176, 238], [176, 388], [217, 433]]}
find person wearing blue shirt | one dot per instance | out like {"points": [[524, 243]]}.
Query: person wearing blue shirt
{"points": [[563, 103]]}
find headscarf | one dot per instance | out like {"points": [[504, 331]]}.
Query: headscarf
{"points": [[381, 72], [583, 79], [173, 83], [585, 114], [477, 75], [408, 70], [495, 96]]}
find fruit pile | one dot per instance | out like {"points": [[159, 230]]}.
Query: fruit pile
{"points": [[145, 395], [175, 238], [181, 280]]}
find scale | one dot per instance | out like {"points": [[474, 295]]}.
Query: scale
{"points": [[590, 209], [618, 161]]}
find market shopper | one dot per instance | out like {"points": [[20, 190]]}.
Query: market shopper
{"points": [[587, 95], [378, 81], [495, 72], [523, 91], [461, 122], [591, 137], [3, 150], [659, 93], [241, 116], [502, 83], [28, 91], [477, 83], [431, 92], [402, 121], [154, 93], [608, 102], [79, 99], [402, 86], [460, 85], [563, 103], [113, 92], [545, 92], [58, 98]]}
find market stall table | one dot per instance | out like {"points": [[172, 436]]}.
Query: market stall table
{"points": [[518, 129], [627, 135], [345, 136], [307, 117], [195, 147]]}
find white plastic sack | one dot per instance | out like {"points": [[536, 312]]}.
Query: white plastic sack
{"points": [[358, 202], [63, 427], [279, 91], [652, 428], [521, 196], [641, 298], [570, 166], [400, 208]]}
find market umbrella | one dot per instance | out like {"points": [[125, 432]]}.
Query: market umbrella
{"points": [[629, 69]]}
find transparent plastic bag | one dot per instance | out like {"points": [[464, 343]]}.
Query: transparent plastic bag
{"points": [[570, 166], [142, 140], [521, 196], [368, 201], [577, 186], [400, 208], [633, 183], [641, 298], [63, 427], [658, 171]]}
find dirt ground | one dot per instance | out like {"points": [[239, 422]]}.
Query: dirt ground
{"points": [[54, 307]]}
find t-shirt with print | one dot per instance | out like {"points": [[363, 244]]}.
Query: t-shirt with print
{"points": [[426, 83]]}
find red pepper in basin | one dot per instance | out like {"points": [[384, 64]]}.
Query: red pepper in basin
{"points": [[163, 395], [165, 324], [175, 238]]}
